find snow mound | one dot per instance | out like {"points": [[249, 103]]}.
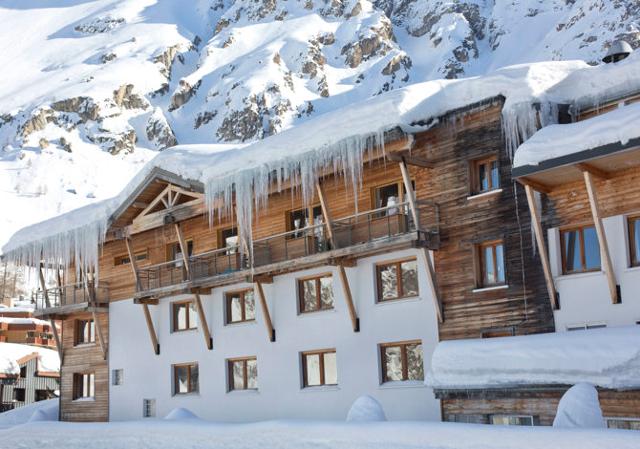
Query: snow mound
{"points": [[608, 358], [579, 408], [180, 414], [45, 411], [366, 409]]}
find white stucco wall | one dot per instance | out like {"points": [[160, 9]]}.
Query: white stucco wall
{"points": [[279, 375], [584, 297]]}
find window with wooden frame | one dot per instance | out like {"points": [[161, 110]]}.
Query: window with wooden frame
{"points": [[512, 420], [402, 361], [19, 394], [319, 368], [125, 260], [580, 250], [174, 251], [301, 218], [397, 280], [623, 423], [485, 175], [185, 378], [388, 195], [243, 373], [228, 238], [240, 306], [184, 316], [490, 264], [315, 293], [85, 332], [633, 224], [83, 386]]}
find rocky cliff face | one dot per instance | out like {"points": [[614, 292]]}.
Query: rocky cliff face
{"points": [[129, 78]]}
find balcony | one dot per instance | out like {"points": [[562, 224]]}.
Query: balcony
{"points": [[355, 235], [71, 298]]}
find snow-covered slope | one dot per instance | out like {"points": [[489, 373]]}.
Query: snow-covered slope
{"points": [[91, 90]]}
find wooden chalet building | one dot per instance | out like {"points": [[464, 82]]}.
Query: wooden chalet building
{"points": [[17, 325]]}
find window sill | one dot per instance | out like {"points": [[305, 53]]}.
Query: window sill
{"points": [[393, 384], [80, 400], [478, 196], [183, 331], [490, 289], [240, 324], [84, 345], [316, 313], [182, 395], [388, 302], [632, 269], [320, 388], [244, 392], [586, 274]]}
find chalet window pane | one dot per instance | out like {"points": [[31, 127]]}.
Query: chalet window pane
{"points": [[415, 363], [85, 331], [313, 370], [623, 423], [489, 268], [383, 194], [500, 263], [249, 305], [309, 295], [512, 420], [393, 363], [181, 317], [389, 281], [634, 240], [182, 379], [591, 249], [409, 278], [495, 175], [484, 177], [326, 292], [193, 378], [238, 375], [252, 374], [330, 369], [572, 251], [235, 307], [19, 394]]}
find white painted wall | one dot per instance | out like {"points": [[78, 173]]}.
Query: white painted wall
{"points": [[584, 297], [279, 375]]}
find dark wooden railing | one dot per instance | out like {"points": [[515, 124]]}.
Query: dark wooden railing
{"points": [[73, 294]]}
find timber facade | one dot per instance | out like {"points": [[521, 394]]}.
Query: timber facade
{"points": [[31, 385], [350, 292]]}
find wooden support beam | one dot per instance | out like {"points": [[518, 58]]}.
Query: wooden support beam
{"points": [[542, 247], [54, 328], [202, 318], [595, 171], [183, 249], [151, 329], [535, 185], [431, 274], [101, 341], [605, 255], [326, 214], [265, 312], [133, 263], [355, 321]]}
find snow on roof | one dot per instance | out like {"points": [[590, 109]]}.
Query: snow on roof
{"points": [[10, 353], [618, 126], [608, 357], [34, 321], [336, 140]]}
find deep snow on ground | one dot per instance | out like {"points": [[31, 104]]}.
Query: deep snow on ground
{"points": [[306, 435]]}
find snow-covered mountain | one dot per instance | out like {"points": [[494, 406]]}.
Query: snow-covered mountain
{"points": [[91, 90]]}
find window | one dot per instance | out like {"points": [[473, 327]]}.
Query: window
{"points": [[301, 218], [23, 371], [315, 293], [498, 332], [43, 395], [241, 306], [319, 368], [512, 420], [85, 332], [228, 238], [402, 361], [485, 175], [83, 386], [397, 280], [623, 423], [389, 195], [184, 316], [580, 250], [584, 326], [491, 264], [634, 240], [19, 394], [148, 408], [125, 260], [117, 376], [185, 378], [243, 373], [174, 252]]}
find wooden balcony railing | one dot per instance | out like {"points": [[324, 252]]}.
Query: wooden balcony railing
{"points": [[370, 226], [73, 294]]}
